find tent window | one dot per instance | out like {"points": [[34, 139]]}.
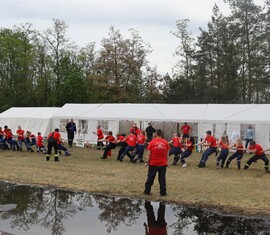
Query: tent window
{"points": [[63, 123], [83, 127]]}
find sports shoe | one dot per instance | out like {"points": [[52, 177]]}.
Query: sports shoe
{"points": [[184, 165]]}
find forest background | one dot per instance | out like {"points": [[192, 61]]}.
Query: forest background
{"points": [[228, 62]]}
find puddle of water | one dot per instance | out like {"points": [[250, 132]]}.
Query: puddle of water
{"points": [[35, 210]]}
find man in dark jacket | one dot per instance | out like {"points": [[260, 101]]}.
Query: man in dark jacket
{"points": [[71, 129]]}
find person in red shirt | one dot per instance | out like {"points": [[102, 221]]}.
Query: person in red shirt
{"points": [[176, 149], [40, 145], [141, 139], [21, 138], [2, 139], [13, 144], [121, 140], [186, 130], [136, 130], [224, 146], [100, 136], [111, 144], [131, 145], [155, 226], [259, 154], [211, 144], [31, 141], [157, 162], [189, 145], [238, 154], [60, 146], [52, 140]]}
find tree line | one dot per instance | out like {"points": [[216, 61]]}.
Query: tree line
{"points": [[228, 62]]}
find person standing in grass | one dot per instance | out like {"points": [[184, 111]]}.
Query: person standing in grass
{"points": [[150, 130], [111, 144], [71, 130], [238, 154], [157, 161], [249, 135], [100, 136], [259, 154], [186, 130], [211, 144], [224, 146]]}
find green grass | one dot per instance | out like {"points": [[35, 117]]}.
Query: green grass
{"points": [[229, 190]]}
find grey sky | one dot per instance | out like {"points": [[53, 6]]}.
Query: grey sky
{"points": [[90, 20]]}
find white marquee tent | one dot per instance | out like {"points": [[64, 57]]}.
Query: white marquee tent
{"points": [[220, 118], [30, 119]]}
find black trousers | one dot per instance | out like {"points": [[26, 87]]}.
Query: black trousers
{"points": [[52, 144], [151, 219], [70, 138], [257, 157], [152, 171], [107, 149]]}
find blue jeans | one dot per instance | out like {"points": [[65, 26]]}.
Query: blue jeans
{"points": [[206, 154], [23, 141], [175, 150], [127, 149], [185, 154], [237, 155], [140, 151], [222, 157]]}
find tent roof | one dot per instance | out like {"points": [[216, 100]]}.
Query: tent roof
{"points": [[29, 112], [74, 110], [167, 112]]}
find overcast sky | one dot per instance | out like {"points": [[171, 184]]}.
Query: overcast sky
{"points": [[90, 20]]}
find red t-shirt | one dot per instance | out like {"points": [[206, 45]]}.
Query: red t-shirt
{"points": [[100, 134], [136, 130], [131, 140], [110, 138], [240, 147], [157, 230], [211, 140], [8, 135], [189, 145], [20, 134], [258, 149], [185, 129], [39, 141], [176, 142], [120, 138], [159, 150], [141, 139], [1, 133], [56, 135], [223, 145]]}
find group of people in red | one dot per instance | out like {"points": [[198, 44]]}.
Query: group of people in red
{"points": [[211, 143], [182, 146], [131, 145], [15, 142]]}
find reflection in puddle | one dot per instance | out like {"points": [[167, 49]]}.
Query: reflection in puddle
{"points": [[36, 210]]}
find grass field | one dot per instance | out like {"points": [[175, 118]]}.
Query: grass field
{"points": [[228, 190]]}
